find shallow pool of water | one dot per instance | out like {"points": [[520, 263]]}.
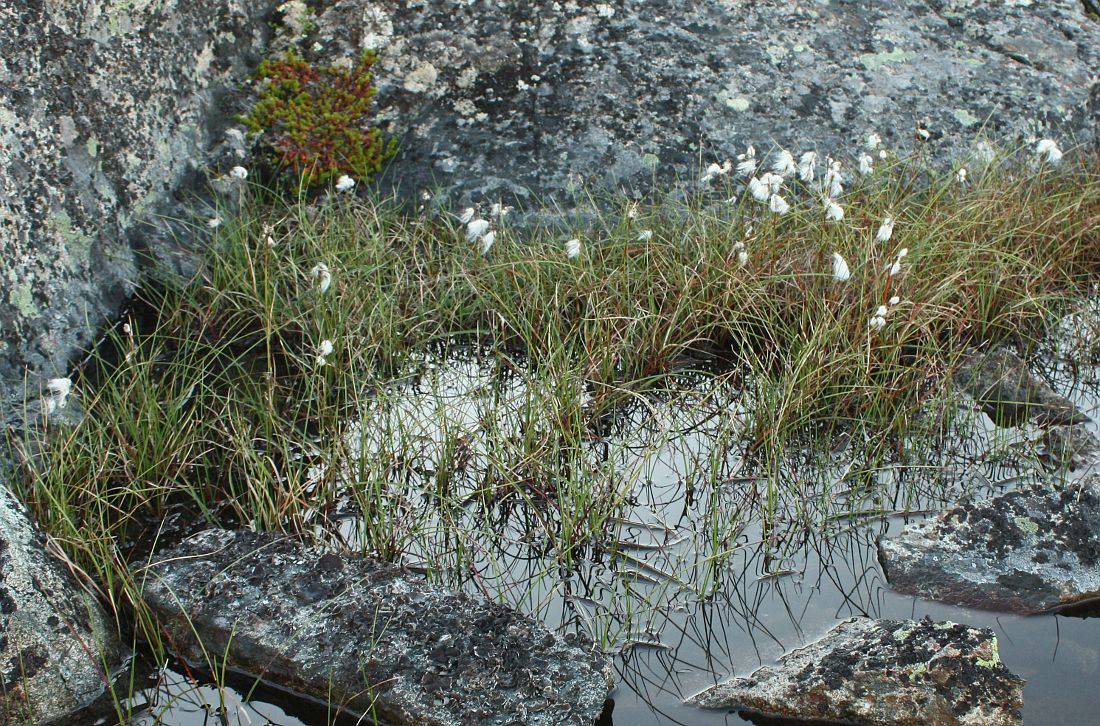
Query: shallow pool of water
{"points": [[713, 563]]}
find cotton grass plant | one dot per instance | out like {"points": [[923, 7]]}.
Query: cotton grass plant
{"points": [[271, 391]]}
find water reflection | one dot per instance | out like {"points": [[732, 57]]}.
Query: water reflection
{"points": [[655, 532]]}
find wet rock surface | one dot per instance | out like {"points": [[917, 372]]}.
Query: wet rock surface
{"points": [[369, 636], [878, 672], [1025, 551], [55, 640], [106, 110], [1004, 388], [502, 99], [1071, 447]]}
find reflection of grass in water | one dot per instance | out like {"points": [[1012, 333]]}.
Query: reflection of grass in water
{"points": [[578, 453]]}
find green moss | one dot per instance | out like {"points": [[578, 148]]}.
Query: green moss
{"points": [[315, 121]]}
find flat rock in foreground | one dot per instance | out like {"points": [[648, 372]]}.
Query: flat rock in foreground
{"points": [[368, 636], [1024, 551], [883, 672]]}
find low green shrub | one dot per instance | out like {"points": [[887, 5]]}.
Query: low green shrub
{"points": [[316, 121]]}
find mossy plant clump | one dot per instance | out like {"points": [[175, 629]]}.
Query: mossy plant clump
{"points": [[316, 121]]}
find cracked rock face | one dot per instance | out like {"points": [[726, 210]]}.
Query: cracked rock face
{"points": [[1024, 551], [369, 636], [54, 638], [105, 110], [883, 672], [524, 101]]}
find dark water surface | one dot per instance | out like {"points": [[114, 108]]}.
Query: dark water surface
{"points": [[687, 589]]}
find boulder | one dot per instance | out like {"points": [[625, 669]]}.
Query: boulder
{"points": [[106, 110], [1009, 394], [369, 637], [541, 101], [1024, 551], [57, 645], [883, 672], [1071, 447]]}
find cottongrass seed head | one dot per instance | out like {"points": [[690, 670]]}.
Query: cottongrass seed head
{"points": [[321, 274], [573, 248], [840, 268], [1047, 149], [345, 183], [885, 230]]}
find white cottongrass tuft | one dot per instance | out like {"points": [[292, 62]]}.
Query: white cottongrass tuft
{"points": [[866, 164], [645, 235], [573, 248], [832, 180], [759, 190], [881, 312], [960, 176], [498, 211], [324, 350], [214, 222], [923, 133], [1049, 148], [742, 258], [321, 274], [487, 241], [840, 268], [268, 233], [239, 172], [784, 163], [873, 141], [345, 183], [476, 229], [895, 268], [806, 166], [467, 215], [714, 170], [833, 211], [877, 323], [895, 300], [778, 204], [885, 230], [746, 163]]}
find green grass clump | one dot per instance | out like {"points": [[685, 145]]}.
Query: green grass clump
{"points": [[316, 121], [263, 394]]}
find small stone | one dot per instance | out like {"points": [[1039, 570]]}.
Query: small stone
{"points": [[1004, 388], [1025, 551], [883, 673]]}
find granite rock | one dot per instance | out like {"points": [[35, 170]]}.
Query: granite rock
{"points": [[540, 101], [883, 673], [1025, 551], [368, 636], [57, 645], [107, 111]]}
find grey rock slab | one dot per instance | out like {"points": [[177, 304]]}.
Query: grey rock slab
{"points": [[57, 645], [883, 672], [1025, 551], [106, 110], [1005, 389], [522, 101], [369, 636]]}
